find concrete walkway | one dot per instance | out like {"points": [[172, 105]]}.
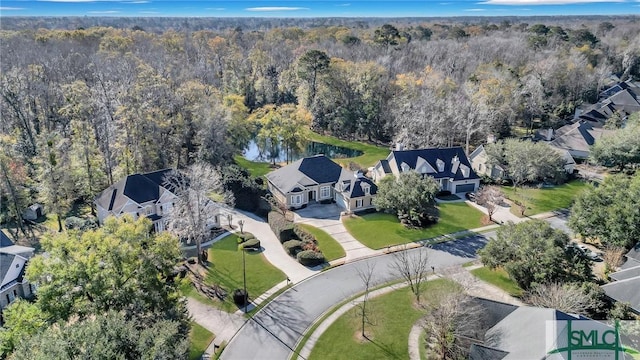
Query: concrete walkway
{"points": [[272, 249], [328, 218], [223, 324]]}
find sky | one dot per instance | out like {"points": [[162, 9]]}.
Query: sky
{"points": [[320, 8]]}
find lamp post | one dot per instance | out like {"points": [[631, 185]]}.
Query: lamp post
{"points": [[244, 280]]}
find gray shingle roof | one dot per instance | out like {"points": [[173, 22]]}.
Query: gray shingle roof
{"points": [[625, 291], [634, 253], [626, 273], [522, 333], [319, 169], [355, 188], [578, 136]]}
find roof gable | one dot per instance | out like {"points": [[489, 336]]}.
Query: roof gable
{"points": [[139, 188], [4, 240], [433, 156]]}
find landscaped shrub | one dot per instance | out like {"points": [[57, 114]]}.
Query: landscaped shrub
{"points": [[293, 247], [310, 258], [245, 236], [281, 226], [304, 235], [253, 244]]}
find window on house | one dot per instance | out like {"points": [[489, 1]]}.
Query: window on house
{"points": [[15, 293], [366, 189], [17, 266], [148, 210], [359, 203], [8, 299], [296, 199], [325, 192]]}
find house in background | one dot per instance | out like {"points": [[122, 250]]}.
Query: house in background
{"points": [[625, 284], [33, 212], [142, 195], [479, 163], [576, 138], [318, 179], [13, 261], [448, 166]]}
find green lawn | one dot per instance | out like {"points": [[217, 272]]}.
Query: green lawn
{"points": [[330, 247], [498, 278], [379, 230], [545, 199], [370, 153], [256, 169], [199, 340], [392, 315], [225, 269]]}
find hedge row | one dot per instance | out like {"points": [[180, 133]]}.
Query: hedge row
{"points": [[296, 241], [280, 226]]}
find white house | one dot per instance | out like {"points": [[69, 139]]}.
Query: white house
{"points": [[449, 166], [13, 262], [142, 195]]}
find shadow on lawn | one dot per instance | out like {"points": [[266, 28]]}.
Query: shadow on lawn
{"points": [[388, 350], [465, 247]]}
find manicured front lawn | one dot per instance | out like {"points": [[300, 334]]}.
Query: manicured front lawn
{"points": [[199, 340], [370, 153], [379, 230], [330, 248], [225, 269], [545, 199], [498, 278], [393, 316], [256, 169]]}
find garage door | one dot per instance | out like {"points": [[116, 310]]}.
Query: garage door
{"points": [[464, 188], [340, 200]]}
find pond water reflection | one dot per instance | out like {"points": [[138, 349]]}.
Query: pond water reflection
{"points": [[254, 153]]}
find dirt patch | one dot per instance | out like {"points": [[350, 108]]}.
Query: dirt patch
{"points": [[485, 221], [368, 336]]}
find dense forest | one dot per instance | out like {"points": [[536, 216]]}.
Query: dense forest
{"points": [[82, 105]]}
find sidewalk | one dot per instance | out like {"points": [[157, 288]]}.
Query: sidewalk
{"points": [[272, 249], [223, 324]]}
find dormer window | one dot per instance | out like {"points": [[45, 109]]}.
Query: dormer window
{"points": [[465, 171], [405, 167], [366, 188], [440, 165]]}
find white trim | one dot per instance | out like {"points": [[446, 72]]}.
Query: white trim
{"points": [[324, 189], [298, 197]]}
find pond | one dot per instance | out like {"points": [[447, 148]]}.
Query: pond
{"points": [[254, 153]]}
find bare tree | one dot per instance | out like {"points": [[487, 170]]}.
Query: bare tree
{"points": [[193, 211], [452, 325], [568, 298], [490, 197], [412, 266], [366, 276], [613, 257]]}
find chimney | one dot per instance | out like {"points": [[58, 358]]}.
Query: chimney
{"points": [[549, 134], [399, 146]]}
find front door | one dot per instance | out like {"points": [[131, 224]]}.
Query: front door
{"points": [[312, 195]]}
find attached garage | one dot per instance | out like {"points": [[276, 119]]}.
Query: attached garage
{"points": [[465, 188], [340, 201]]}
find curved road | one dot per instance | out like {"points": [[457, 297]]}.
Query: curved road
{"points": [[273, 332]]}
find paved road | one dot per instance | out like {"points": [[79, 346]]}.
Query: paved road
{"points": [[275, 330]]}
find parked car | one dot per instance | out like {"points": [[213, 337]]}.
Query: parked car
{"points": [[470, 196], [593, 256]]}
